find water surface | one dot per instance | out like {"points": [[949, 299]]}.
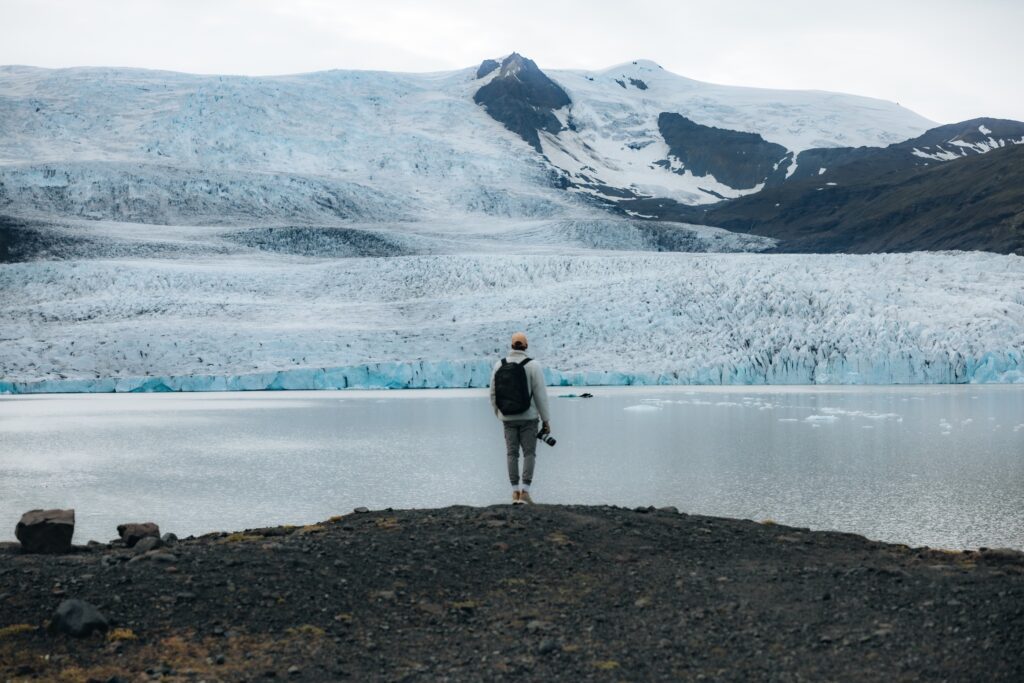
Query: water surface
{"points": [[924, 465]]}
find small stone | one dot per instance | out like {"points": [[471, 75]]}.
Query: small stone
{"points": [[158, 556], [46, 531], [535, 625], [547, 646], [77, 618], [169, 539], [219, 659], [361, 510], [294, 670], [147, 543], [135, 532], [670, 509]]}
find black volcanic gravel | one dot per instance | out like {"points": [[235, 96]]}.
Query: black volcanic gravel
{"points": [[525, 593]]}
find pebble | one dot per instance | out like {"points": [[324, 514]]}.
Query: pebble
{"points": [[547, 646], [294, 670]]}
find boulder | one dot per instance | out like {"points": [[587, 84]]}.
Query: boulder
{"points": [[77, 618], [46, 531], [147, 543], [133, 533]]}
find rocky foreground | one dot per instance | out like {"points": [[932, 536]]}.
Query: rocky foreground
{"points": [[525, 593]]}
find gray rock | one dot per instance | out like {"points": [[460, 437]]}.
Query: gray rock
{"points": [[361, 510], [46, 531], [547, 646], [135, 532], [147, 543], [169, 539], [77, 618]]}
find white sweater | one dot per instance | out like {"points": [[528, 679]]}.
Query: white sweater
{"points": [[535, 379]]}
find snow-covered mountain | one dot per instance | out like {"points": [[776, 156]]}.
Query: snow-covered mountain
{"points": [[168, 231], [165, 147]]}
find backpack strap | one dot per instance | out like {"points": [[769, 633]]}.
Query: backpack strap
{"points": [[526, 361], [504, 361]]}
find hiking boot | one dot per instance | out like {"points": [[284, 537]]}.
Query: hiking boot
{"points": [[524, 497], [517, 498]]}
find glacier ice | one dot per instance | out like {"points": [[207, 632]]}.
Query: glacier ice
{"points": [[595, 318]]}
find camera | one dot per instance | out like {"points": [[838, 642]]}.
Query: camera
{"points": [[547, 438]]}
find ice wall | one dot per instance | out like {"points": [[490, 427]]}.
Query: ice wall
{"points": [[1006, 367], [279, 321]]}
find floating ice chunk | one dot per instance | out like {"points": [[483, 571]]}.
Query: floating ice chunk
{"points": [[820, 418], [642, 408], [788, 419]]}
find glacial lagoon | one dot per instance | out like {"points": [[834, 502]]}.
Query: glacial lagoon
{"points": [[941, 466]]}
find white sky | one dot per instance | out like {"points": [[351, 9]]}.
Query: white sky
{"points": [[949, 60]]}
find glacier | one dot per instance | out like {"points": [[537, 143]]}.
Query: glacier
{"points": [[280, 321], [346, 229]]}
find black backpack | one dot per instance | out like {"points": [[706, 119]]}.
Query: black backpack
{"points": [[511, 388]]}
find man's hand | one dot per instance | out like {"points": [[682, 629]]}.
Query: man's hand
{"points": [[545, 427]]}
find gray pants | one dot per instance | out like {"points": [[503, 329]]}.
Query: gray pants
{"points": [[521, 433]]}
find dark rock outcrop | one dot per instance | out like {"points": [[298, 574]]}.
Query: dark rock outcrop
{"points": [[938, 145], [133, 533], [523, 98], [77, 618], [972, 203], [46, 531], [740, 160], [486, 67]]}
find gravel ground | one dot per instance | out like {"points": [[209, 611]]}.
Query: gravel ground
{"points": [[526, 593]]}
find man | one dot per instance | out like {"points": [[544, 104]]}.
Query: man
{"points": [[518, 397]]}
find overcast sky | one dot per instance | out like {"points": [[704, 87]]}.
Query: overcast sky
{"points": [[948, 60]]}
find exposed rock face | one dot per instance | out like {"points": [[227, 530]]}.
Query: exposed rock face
{"points": [[945, 143], [486, 67], [77, 618], [46, 531], [973, 203], [741, 160], [523, 99], [133, 533]]}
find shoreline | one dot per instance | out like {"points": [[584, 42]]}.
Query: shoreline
{"points": [[499, 592]]}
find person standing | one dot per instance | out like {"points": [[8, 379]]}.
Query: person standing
{"points": [[519, 397]]}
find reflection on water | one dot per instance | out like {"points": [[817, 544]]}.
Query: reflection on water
{"points": [[940, 466]]}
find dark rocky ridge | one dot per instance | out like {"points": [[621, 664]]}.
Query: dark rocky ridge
{"points": [[740, 160], [971, 203], [522, 98], [843, 164], [532, 592], [871, 199]]}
